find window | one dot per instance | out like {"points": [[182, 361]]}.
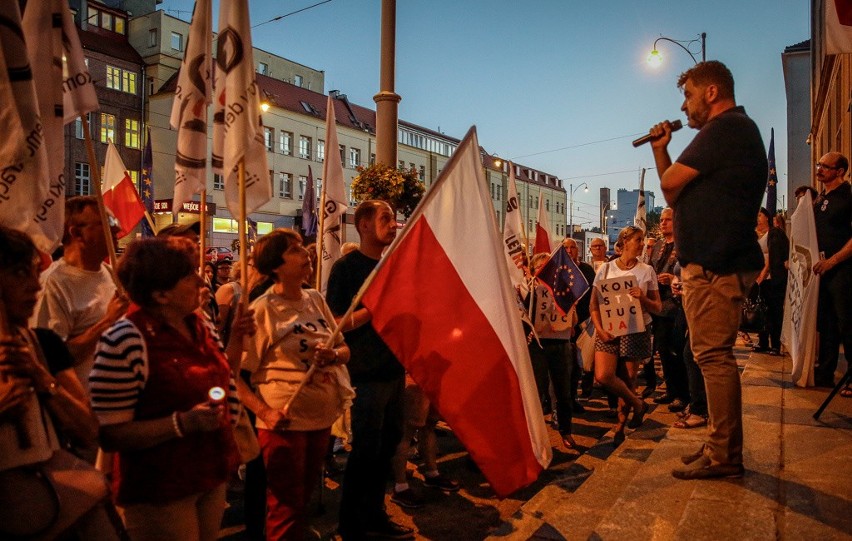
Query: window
{"points": [[177, 41], [113, 77], [134, 177], [304, 147], [225, 225], [297, 80], [263, 68], [120, 25], [82, 179], [268, 139], [303, 181], [342, 155], [106, 20], [264, 228], [131, 133], [92, 17], [152, 37], [78, 126], [285, 143], [423, 173], [547, 205], [107, 128], [530, 202], [354, 157], [128, 82], [285, 185], [320, 150], [218, 182], [401, 164]]}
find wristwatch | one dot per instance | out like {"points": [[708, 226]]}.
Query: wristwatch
{"points": [[52, 389]]}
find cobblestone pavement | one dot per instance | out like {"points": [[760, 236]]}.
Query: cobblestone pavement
{"points": [[469, 514]]}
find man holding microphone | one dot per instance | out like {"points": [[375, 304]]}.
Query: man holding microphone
{"points": [[725, 169]]}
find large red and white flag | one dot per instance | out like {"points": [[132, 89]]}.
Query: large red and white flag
{"points": [[333, 199], [237, 128], [24, 175], [837, 15], [189, 110], [441, 299], [120, 195], [513, 235], [543, 242], [799, 332]]}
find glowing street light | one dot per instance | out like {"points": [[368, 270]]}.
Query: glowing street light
{"points": [[655, 59]]}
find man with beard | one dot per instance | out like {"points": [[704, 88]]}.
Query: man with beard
{"points": [[723, 169], [379, 381]]}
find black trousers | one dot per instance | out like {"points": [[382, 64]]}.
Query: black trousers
{"points": [[834, 319], [377, 424], [554, 361]]}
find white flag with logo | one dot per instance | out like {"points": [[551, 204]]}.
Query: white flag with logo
{"points": [[798, 332], [24, 174], [42, 25], [334, 199], [640, 220], [513, 245], [189, 110], [237, 129], [78, 89]]}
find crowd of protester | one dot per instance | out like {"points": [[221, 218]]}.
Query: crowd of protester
{"points": [[169, 374]]}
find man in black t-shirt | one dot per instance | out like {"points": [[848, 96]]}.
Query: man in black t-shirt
{"points": [[833, 219], [379, 381], [715, 188]]}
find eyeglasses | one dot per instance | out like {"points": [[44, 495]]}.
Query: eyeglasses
{"points": [[824, 166]]}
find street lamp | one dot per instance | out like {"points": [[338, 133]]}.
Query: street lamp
{"points": [[572, 189], [655, 59]]}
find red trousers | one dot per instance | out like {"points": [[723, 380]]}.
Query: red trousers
{"points": [[293, 462]]}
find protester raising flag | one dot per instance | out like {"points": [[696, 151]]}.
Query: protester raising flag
{"points": [[513, 237], [641, 218], [563, 278], [189, 109], [444, 304], [772, 181], [120, 194], [147, 193], [309, 206], [543, 243], [333, 202], [799, 332], [237, 130], [23, 157]]}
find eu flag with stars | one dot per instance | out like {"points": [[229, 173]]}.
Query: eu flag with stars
{"points": [[147, 189], [772, 181], [564, 280]]}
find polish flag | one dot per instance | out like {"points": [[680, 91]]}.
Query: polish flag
{"points": [[120, 195], [442, 300], [543, 243]]}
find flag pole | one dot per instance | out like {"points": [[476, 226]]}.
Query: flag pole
{"points": [[320, 235], [96, 182], [241, 176], [202, 223]]}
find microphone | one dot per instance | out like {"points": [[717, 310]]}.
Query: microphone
{"points": [[676, 125]]}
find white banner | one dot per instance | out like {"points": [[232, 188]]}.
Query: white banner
{"points": [[798, 333], [333, 198], [513, 236]]}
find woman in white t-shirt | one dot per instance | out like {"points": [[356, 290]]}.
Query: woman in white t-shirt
{"points": [[617, 357], [293, 329]]}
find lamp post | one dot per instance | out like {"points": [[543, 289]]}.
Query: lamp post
{"points": [[655, 58], [572, 189]]}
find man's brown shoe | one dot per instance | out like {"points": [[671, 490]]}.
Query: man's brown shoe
{"points": [[704, 469]]}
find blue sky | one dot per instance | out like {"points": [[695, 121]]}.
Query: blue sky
{"points": [[541, 75]]}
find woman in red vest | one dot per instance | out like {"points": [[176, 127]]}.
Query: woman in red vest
{"points": [[157, 389]]}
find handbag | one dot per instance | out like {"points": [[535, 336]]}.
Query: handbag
{"points": [[754, 312], [246, 438]]}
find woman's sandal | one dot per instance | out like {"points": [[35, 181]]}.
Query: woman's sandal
{"points": [[846, 392], [691, 421], [568, 442]]}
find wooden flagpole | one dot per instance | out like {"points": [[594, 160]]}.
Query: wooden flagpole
{"points": [[320, 235], [96, 183], [202, 224], [241, 172]]}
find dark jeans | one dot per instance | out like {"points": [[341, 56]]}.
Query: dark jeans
{"points": [[555, 359], [697, 392], [376, 432], [773, 292], [668, 341], [834, 319]]}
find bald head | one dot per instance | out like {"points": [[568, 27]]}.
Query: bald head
{"points": [[572, 249]]}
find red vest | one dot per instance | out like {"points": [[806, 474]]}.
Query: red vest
{"points": [[180, 372]]}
